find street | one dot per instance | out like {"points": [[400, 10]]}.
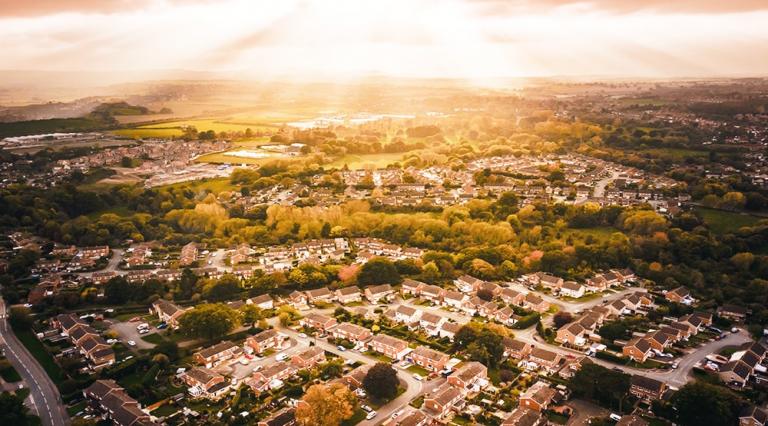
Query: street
{"points": [[45, 396]]}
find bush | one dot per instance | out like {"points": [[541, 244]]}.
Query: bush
{"points": [[527, 321]]}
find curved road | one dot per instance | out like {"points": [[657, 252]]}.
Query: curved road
{"points": [[45, 396]]}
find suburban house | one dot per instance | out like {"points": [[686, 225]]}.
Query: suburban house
{"points": [[319, 295], [407, 315], [429, 359], [440, 402], [432, 293], [354, 379], [115, 404], [167, 312], [264, 301], [535, 303], [270, 377], [188, 254], [352, 332], [646, 388], [544, 358], [537, 397], [732, 312], [516, 349], [262, 341], [349, 294], [467, 284], [512, 297], [471, 377], [431, 323], [680, 295], [414, 418], [572, 289], [522, 416], [389, 346], [284, 417], [378, 292], [454, 299], [308, 358], [411, 287], [639, 349], [318, 322], [299, 300], [550, 281], [753, 416], [215, 355], [448, 330], [204, 383], [572, 334], [736, 372]]}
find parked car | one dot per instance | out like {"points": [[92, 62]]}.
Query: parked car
{"points": [[341, 348], [131, 343], [371, 415]]}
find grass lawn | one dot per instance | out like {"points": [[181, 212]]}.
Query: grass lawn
{"points": [[357, 417], [366, 160], [215, 185], [10, 374], [676, 153], [415, 369], [143, 132], [73, 410], [37, 349], [418, 402], [379, 357], [722, 222], [153, 338]]}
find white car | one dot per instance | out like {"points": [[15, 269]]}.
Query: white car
{"points": [[131, 343], [371, 415], [418, 376], [281, 357]]}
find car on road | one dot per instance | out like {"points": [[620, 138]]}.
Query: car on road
{"points": [[734, 330], [418, 376], [397, 414], [341, 348], [675, 365], [617, 369], [361, 394], [303, 335], [371, 415], [131, 343], [162, 326], [281, 357], [366, 408]]}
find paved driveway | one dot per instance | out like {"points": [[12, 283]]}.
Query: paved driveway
{"points": [[127, 331]]}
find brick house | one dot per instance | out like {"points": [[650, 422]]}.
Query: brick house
{"points": [[204, 383], [537, 397], [378, 292], [389, 346], [429, 359], [639, 349], [318, 322], [217, 354], [349, 294], [308, 358], [352, 332], [646, 388], [262, 341]]}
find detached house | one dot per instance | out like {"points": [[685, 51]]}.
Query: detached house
{"points": [[454, 299], [442, 400], [349, 294], [639, 349], [389, 346], [204, 383], [429, 359], [646, 388], [572, 289], [217, 354], [167, 312], [471, 377], [352, 332], [535, 303], [260, 342], [467, 284], [308, 358], [537, 397], [319, 295], [264, 301], [378, 292], [680, 295], [318, 322]]}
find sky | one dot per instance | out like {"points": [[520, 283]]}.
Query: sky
{"points": [[470, 39]]}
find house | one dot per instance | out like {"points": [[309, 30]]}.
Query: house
{"points": [[167, 312], [407, 315], [753, 416], [429, 359], [205, 383], [732, 312], [116, 405], [505, 315], [411, 287], [680, 295], [354, 379], [299, 300], [431, 323], [264, 301], [262, 341], [270, 377], [454, 299], [284, 417], [98, 352], [414, 418], [735, 372], [659, 340], [493, 289], [516, 349], [550, 281], [685, 331], [318, 322], [308, 358], [646, 388], [572, 289], [639, 349], [535, 303], [378, 292], [352, 332], [319, 295], [67, 323], [537, 397], [522, 416], [572, 334], [467, 284], [217, 354], [349, 294], [188, 254], [512, 297], [448, 330], [389, 346], [440, 402], [597, 283], [631, 420], [544, 358], [432, 293], [472, 376], [694, 322]]}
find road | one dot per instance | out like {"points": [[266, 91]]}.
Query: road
{"points": [[45, 396], [602, 183]]}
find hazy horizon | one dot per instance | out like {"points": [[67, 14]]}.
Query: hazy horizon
{"points": [[473, 40]]}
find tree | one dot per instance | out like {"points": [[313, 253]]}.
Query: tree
{"points": [[613, 330], [118, 290], [703, 404], [251, 314], [20, 318], [381, 381], [168, 348], [14, 412], [325, 405], [378, 271], [562, 318], [222, 289], [600, 384], [187, 284], [485, 294], [209, 321]]}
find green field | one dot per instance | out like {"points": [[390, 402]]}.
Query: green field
{"points": [[140, 132], [677, 153], [598, 233], [722, 222], [223, 125], [36, 348], [215, 186], [366, 161]]}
